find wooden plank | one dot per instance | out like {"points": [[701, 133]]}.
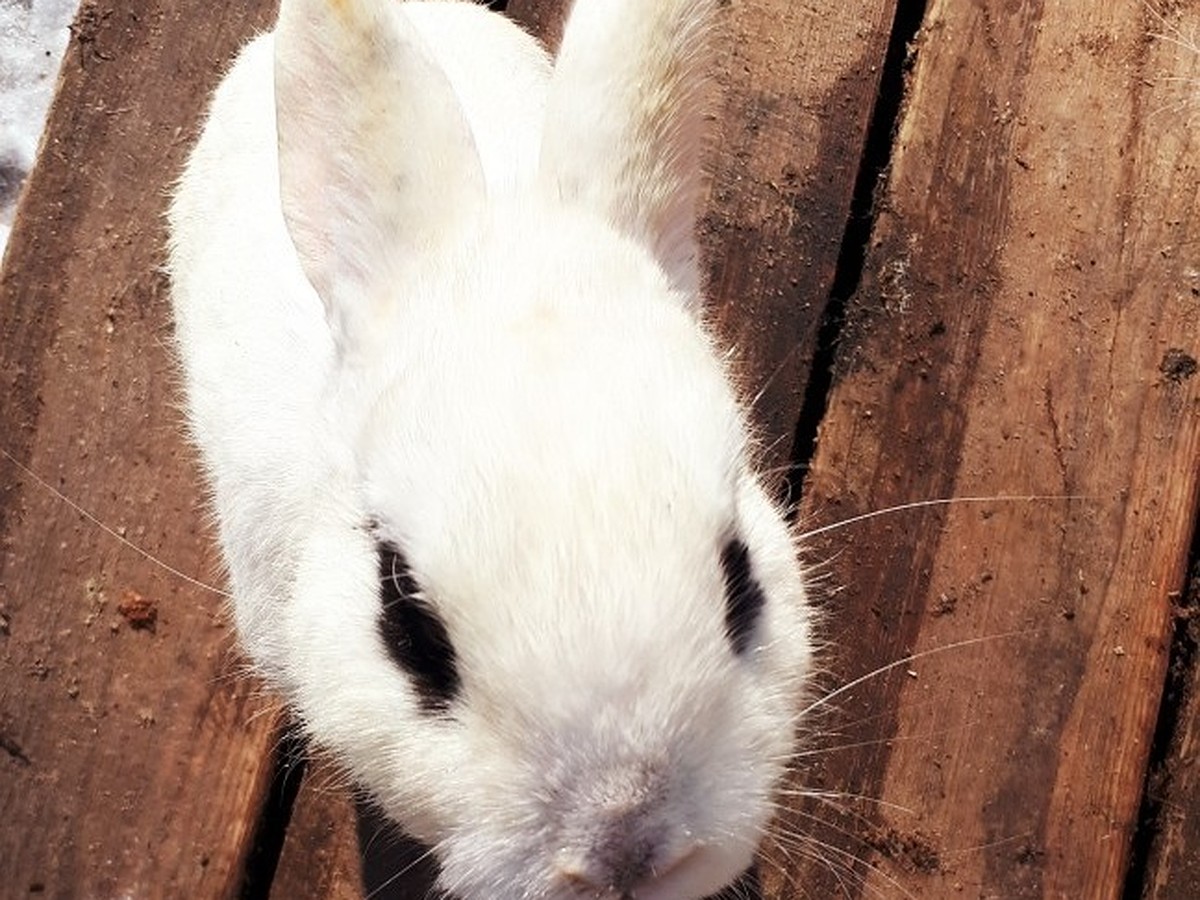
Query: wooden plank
{"points": [[320, 856], [798, 83], [1173, 867], [1029, 326], [136, 754]]}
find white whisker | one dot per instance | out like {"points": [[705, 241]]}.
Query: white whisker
{"points": [[111, 532], [906, 660], [943, 501]]}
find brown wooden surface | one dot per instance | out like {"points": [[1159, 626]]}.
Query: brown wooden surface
{"points": [[1025, 328], [320, 857], [135, 759], [1173, 872], [799, 82], [1024, 325]]}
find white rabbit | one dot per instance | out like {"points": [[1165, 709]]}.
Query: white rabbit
{"points": [[484, 488]]}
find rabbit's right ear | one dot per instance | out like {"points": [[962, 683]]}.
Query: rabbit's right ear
{"points": [[376, 160], [625, 122]]}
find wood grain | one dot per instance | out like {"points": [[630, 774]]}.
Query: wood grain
{"points": [[1025, 328], [320, 857], [1173, 866], [798, 84], [136, 758]]}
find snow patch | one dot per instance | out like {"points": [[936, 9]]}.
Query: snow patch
{"points": [[33, 38]]}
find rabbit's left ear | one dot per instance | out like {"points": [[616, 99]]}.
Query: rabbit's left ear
{"points": [[625, 122], [376, 160]]}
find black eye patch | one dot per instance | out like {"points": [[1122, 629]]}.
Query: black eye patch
{"points": [[414, 634], [744, 598]]}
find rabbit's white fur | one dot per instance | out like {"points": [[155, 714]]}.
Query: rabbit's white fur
{"points": [[429, 294]]}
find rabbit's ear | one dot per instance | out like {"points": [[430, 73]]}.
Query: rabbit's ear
{"points": [[376, 160], [625, 121]]}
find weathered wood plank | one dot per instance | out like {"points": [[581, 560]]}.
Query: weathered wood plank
{"points": [[798, 85], [1029, 326], [1173, 868], [320, 856], [135, 761]]}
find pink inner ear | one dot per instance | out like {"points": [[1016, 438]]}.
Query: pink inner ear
{"points": [[305, 205], [375, 156]]}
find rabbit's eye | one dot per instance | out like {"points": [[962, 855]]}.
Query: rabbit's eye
{"points": [[414, 634], [743, 596]]}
